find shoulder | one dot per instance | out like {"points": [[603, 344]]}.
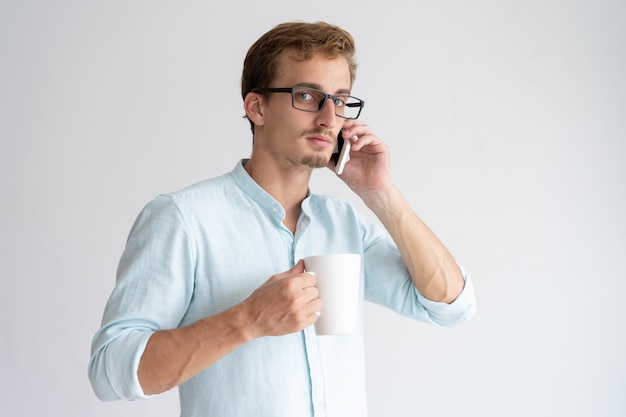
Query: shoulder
{"points": [[180, 204], [335, 209], [200, 189], [210, 192], [321, 200]]}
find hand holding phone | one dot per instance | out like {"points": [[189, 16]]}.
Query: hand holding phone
{"points": [[341, 154]]}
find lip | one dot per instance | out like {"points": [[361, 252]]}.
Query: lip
{"points": [[320, 141]]}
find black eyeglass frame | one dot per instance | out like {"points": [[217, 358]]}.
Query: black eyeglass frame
{"points": [[360, 103]]}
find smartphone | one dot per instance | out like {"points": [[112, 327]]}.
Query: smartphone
{"points": [[341, 154]]}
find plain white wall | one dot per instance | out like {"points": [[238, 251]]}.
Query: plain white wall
{"points": [[506, 123]]}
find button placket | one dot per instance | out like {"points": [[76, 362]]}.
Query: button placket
{"points": [[315, 370]]}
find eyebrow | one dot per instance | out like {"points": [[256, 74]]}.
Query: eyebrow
{"points": [[319, 87]]}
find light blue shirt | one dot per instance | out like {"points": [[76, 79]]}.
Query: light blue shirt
{"points": [[199, 251]]}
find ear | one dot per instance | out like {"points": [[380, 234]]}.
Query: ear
{"points": [[253, 105]]}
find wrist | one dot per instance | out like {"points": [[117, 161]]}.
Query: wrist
{"points": [[234, 323], [247, 330]]}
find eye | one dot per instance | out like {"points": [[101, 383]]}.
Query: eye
{"points": [[307, 96], [304, 95], [340, 101]]}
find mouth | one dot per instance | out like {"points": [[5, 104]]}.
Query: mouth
{"points": [[319, 141]]}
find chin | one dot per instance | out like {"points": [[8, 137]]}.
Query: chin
{"points": [[315, 162]]}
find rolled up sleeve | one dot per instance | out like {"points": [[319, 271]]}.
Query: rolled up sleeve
{"points": [[113, 366], [388, 283], [154, 285], [459, 311]]}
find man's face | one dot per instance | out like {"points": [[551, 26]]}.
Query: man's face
{"points": [[296, 137]]}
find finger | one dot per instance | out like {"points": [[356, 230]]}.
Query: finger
{"points": [[308, 280], [349, 123], [352, 128], [360, 138], [362, 141], [310, 293], [298, 268], [315, 307]]}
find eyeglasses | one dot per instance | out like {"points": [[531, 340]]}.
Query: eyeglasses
{"points": [[313, 100]]}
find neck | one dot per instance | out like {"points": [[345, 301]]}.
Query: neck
{"points": [[287, 184]]}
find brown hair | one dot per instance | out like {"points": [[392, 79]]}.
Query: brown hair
{"points": [[303, 40]]}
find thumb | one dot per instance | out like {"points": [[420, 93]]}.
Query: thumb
{"points": [[298, 268]]}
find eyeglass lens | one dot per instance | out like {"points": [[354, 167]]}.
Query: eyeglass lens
{"points": [[309, 99]]}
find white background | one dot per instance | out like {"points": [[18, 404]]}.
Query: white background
{"points": [[506, 124]]}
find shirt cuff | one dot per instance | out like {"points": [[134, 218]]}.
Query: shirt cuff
{"points": [[124, 379], [459, 311]]}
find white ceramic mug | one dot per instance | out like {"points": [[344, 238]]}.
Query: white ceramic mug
{"points": [[338, 277]]}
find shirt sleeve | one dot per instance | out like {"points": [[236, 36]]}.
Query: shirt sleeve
{"points": [[153, 289], [388, 283], [459, 311]]}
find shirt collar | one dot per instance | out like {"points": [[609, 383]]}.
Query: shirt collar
{"points": [[256, 193], [259, 195]]}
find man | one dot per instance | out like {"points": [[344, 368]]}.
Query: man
{"points": [[211, 293]]}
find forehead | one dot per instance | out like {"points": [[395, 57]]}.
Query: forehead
{"points": [[329, 74]]}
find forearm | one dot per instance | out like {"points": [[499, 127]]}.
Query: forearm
{"points": [[433, 270], [286, 303], [173, 356]]}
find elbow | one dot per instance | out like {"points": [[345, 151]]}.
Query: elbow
{"points": [[152, 385]]}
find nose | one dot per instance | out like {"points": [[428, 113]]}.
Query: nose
{"points": [[326, 116]]}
